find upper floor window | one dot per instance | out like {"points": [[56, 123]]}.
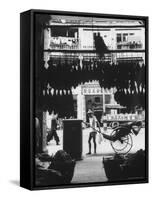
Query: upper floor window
{"points": [[125, 37], [128, 41], [58, 31], [64, 32], [131, 34], [118, 37]]}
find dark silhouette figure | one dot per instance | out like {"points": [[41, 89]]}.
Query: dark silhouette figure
{"points": [[52, 133]]}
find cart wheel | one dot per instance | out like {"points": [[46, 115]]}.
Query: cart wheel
{"points": [[124, 145], [114, 124]]}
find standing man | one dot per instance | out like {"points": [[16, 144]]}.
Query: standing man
{"points": [[93, 125], [52, 133]]}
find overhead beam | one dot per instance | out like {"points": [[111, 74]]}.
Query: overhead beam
{"points": [[94, 26], [94, 51]]}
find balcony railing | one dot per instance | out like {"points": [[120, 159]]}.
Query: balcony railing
{"points": [[71, 43], [64, 43], [129, 45]]}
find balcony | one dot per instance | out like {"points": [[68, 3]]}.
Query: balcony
{"points": [[64, 43], [131, 45]]}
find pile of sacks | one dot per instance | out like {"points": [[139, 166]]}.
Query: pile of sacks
{"points": [[123, 168], [59, 171]]}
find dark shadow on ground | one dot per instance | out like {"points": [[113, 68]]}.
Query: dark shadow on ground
{"points": [[15, 182]]}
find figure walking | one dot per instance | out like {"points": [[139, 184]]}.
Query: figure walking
{"points": [[53, 133]]}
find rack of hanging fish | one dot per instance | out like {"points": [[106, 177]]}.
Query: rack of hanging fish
{"points": [[127, 77]]}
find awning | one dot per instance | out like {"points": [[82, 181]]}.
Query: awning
{"points": [[115, 106]]}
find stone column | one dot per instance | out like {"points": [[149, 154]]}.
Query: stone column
{"points": [[47, 36], [83, 108], [80, 106], [113, 99], [103, 94], [44, 139]]}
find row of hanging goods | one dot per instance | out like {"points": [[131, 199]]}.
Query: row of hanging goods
{"points": [[57, 75], [65, 74], [127, 98], [61, 103], [133, 70], [130, 100], [126, 74], [120, 75], [60, 92], [130, 84]]}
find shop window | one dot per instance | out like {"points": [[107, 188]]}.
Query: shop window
{"points": [[84, 91], [107, 99], [97, 99]]}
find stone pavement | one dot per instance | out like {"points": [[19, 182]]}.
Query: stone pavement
{"points": [[90, 168]]}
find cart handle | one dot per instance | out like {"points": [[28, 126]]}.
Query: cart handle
{"points": [[99, 131]]}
